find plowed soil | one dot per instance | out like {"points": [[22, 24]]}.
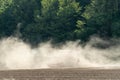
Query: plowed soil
{"points": [[61, 74]]}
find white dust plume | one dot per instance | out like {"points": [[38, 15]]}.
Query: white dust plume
{"points": [[15, 54]]}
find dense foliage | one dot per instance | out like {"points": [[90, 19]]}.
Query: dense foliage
{"points": [[59, 20]]}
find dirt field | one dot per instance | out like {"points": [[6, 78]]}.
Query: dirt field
{"points": [[61, 74]]}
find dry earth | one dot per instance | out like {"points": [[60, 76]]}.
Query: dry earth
{"points": [[61, 74]]}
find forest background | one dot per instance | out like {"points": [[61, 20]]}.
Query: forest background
{"points": [[36, 21]]}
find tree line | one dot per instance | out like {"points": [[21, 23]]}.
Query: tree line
{"points": [[59, 20]]}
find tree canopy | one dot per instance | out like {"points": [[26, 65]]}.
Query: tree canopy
{"points": [[59, 20]]}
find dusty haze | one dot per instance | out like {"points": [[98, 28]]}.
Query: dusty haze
{"points": [[15, 54]]}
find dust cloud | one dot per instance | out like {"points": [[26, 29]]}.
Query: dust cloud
{"points": [[15, 54]]}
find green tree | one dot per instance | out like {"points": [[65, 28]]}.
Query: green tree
{"points": [[4, 4], [5, 18], [13, 12], [100, 16], [57, 21]]}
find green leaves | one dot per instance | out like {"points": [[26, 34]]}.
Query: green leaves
{"points": [[4, 4]]}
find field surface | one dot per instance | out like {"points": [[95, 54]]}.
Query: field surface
{"points": [[61, 74]]}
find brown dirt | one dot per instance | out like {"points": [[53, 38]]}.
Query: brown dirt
{"points": [[61, 74]]}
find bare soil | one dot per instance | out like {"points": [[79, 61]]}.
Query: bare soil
{"points": [[61, 74]]}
